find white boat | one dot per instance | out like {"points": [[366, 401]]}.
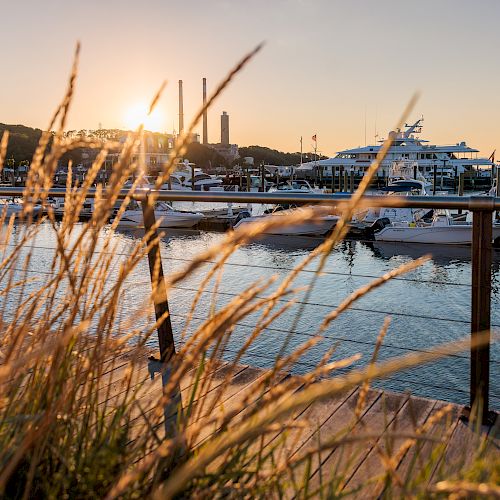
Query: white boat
{"points": [[442, 230], [183, 178], [164, 214], [406, 146], [57, 205], [399, 187], [315, 227], [295, 186], [9, 207], [180, 180]]}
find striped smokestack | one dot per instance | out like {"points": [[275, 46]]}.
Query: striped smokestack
{"points": [[181, 109], [205, 124]]}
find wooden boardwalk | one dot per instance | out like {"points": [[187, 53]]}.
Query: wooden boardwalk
{"points": [[386, 422]]}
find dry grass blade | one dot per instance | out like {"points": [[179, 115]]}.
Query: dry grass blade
{"points": [[466, 489]]}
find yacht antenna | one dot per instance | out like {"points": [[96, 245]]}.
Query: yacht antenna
{"points": [[300, 150]]}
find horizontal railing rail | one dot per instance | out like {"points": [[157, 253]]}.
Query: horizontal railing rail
{"points": [[488, 203]]}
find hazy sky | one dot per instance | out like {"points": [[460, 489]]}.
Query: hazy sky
{"points": [[326, 64]]}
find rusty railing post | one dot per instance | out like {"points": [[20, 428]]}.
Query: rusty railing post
{"points": [[481, 310], [160, 299]]}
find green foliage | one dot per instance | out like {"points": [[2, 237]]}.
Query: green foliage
{"points": [[22, 141], [272, 156]]}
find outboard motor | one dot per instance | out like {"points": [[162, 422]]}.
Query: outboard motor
{"points": [[244, 214], [378, 225]]}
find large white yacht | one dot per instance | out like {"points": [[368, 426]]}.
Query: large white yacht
{"points": [[406, 146]]}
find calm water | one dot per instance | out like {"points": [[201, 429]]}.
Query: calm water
{"points": [[428, 307]]}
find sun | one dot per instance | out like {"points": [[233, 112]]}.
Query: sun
{"points": [[138, 113]]}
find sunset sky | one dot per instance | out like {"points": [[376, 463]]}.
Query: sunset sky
{"points": [[326, 65]]}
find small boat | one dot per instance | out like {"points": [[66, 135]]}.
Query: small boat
{"points": [[164, 214], [443, 229], [295, 186], [314, 227], [57, 205], [9, 207], [403, 187]]}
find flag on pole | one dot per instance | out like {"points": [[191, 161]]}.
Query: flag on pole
{"points": [[314, 138]]}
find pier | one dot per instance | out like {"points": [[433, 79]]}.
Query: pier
{"points": [[368, 436]]}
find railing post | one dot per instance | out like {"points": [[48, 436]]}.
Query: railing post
{"points": [[481, 310], [160, 299]]}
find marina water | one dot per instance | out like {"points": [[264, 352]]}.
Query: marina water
{"points": [[428, 307]]}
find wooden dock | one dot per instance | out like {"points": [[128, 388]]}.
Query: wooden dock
{"points": [[364, 444]]}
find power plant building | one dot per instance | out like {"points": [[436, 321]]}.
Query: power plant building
{"points": [[224, 129], [227, 150]]}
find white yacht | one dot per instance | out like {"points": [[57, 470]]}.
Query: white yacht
{"points": [[406, 146], [164, 213]]}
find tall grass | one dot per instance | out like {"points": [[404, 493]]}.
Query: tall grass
{"points": [[77, 416]]}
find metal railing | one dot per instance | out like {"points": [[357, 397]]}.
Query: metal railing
{"points": [[482, 208]]}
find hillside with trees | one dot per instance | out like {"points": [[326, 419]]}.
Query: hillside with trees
{"points": [[272, 156], [23, 141]]}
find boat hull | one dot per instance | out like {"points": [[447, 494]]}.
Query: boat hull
{"points": [[447, 235], [134, 219], [310, 228]]}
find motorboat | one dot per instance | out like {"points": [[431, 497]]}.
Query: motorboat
{"points": [[180, 180], [295, 186], [442, 229], [317, 226], [400, 187], [164, 214], [58, 206], [11, 206], [188, 177]]}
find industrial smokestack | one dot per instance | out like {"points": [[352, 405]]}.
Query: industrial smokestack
{"points": [[205, 125], [181, 109], [224, 129]]}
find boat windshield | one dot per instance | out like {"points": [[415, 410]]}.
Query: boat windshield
{"points": [[161, 205]]}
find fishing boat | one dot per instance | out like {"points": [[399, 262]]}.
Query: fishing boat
{"points": [[317, 226], [398, 187], [442, 229], [164, 213]]}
